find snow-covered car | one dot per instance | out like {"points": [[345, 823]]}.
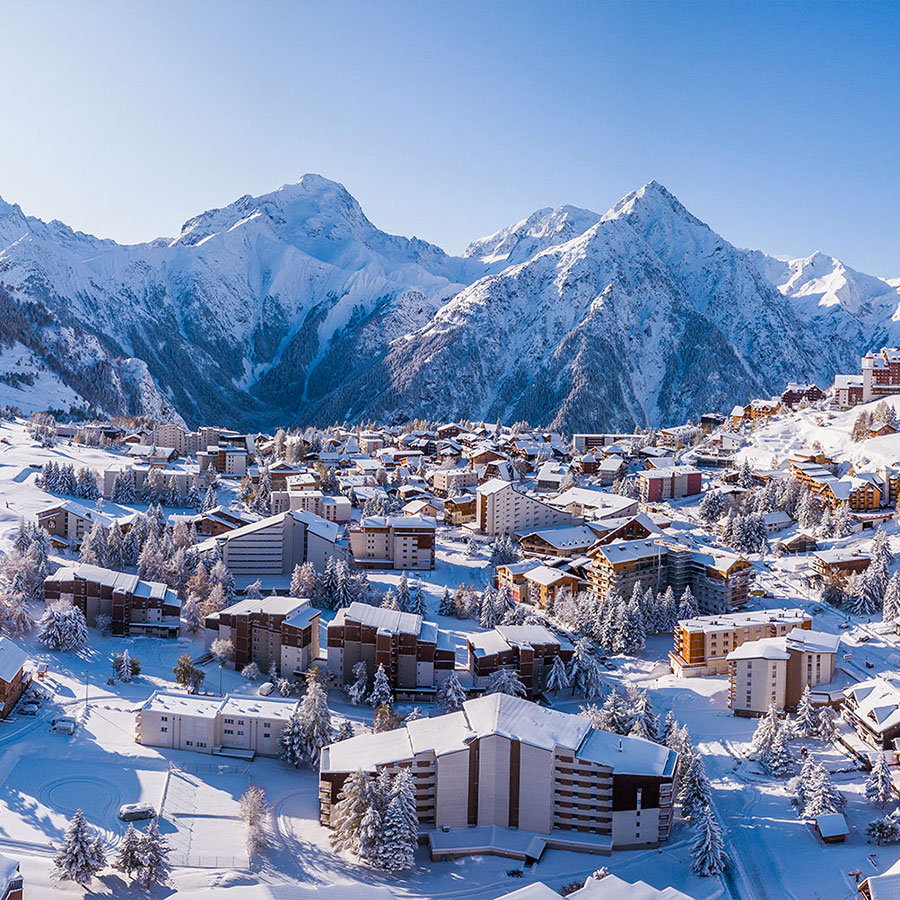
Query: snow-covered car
{"points": [[29, 709], [64, 725], [132, 812], [266, 688]]}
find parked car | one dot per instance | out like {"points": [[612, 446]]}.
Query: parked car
{"points": [[132, 812], [29, 709], [266, 688], [64, 725]]}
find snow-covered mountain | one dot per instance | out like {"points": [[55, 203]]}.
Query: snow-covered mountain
{"points": [[293, 307]]}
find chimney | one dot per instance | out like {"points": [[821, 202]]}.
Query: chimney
{"points": [[620, 745]]}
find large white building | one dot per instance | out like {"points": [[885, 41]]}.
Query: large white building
{"points": [[502, 509], [273, 546], [506, 764], [393, 542]]}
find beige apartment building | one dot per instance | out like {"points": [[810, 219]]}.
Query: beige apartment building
{"points": [[702, 644], [170, 435], [507, 763], [776, 670], [447, 482], [393, 542], [332, 509], [229, 726], [501, 509]]}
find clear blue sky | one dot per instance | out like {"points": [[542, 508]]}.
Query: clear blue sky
{"points": [[777, 123]]}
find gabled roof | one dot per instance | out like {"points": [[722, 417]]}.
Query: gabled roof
{"points": [[12, 659]]}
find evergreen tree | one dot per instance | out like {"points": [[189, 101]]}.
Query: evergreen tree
{"points": [[210, 499], [450, 695], [614, 714], [305, 582], [490, 614], [80, 856], [641, 714], [777, 759], [357, 691], [192, 614], [825, 727], [820, 796], [381, 688], [696, 794], [879, 787], [446, 605], [708, 855], [558, 678], [187, 674], [886, 829], [354, 800], [579, 665], [417, 604], [891, 606], [309, 728], [806, 723], [154, 851], [128, 857], [62, 627], [505, 681], [687, 606], [766, 729], [403, 593], [400, 833]]}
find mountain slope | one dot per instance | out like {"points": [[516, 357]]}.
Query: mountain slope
{"points": [[293, 307]]}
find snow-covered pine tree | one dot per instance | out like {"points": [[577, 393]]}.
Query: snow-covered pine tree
{"points": [[708, 856], [614, 714], [879, 787], [505, 681], [687, 606], [890, 610], [305, 582], [192, 614], [766, 729], [579, 665], [820, 795], [777, 759], [154, 851], [417, 604], [885, 829], [210, 499], [381, 688], [806, 722], [826, 730], [354, 800], [62, 627], [80, 856], [446, 605], [641, 714], [316, 730], [489, 613], [403, 593], [128, 856], [450, 694], [670, 726], [696, 793], [356, 692], [557, 678], [400, 825]]}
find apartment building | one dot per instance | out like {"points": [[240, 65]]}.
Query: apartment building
{"points": [[332, 509], [566, 540], [794, 394], [447, 482], [12, 675], [234, 725], [416, 654], [702, 644], [275, 545], [460, 509], [503, 762], [839, 563], [280, 630], [669, 483], [775, 670], [136, 607], [529, 650], [171, 435], [224, 460], [719, 581], [594, 504], [502, 509], [393, 542]]}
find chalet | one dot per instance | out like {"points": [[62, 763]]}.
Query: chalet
{"points": [[11, 882], [71, 521], [529, 650], [776, 521], [551, 475], [839, 563], [393, 542], [416, 654], [872, 708], [425, 506], [832, 828], [279, 630], [135, 607], [543, 585], [151, 454], [795, 394], [625, 528], [460, 509], [797, 543], [213, 522], [881, 429], [610, 469], [12, 675], [566, 540]]}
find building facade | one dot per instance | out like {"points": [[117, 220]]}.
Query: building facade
{"points": [[393, 542], [501, 509], [12, 675]]}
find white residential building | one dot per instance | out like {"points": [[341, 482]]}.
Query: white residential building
{"points": [[502, 509]]}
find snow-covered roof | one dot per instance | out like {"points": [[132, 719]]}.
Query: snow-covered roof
{"points": [[258, 707], [766, 648], [731, 621], [272, 606], [565, 537], [389, 620], [832, 825], [183, 704], [877, 702], [117, 581], [628, 551], [611, 887], [545, 576], [627, 755], [12, 659], [503, 637], [812, 641]]}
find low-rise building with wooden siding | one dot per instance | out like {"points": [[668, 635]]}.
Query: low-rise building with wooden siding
{"points": [[12, 675]]}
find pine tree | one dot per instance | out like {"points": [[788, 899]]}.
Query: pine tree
{"points": [[417, 604], [687, 606], [766, 730], [154, 851], [879, 787], [641, 714], [820, 796], [128, 857], [614, 714], [353, 802], [446, 605], [403, 593], [505, 681], [708, 855], [886, 829], [490, 614], [558, 678], [80, 856], [697, 793], [400, 825], [777, 759], [192, 614], [381, 688], [891, 606], [313, 729], [356, 692], [807, 721], [450, 695], [825, 727], [210, 499], [62, 627], [579, 666]]}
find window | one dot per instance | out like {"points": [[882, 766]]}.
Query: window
{"points": [[164, 718], [266, 734], [189, 743], [240, 733], [229, 721], [229, 731], [164, 729]]}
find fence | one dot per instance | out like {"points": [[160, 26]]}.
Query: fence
{"points": [[209, 768]]}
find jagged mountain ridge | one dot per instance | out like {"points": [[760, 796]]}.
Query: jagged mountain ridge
{"points": [[293, 307]]}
